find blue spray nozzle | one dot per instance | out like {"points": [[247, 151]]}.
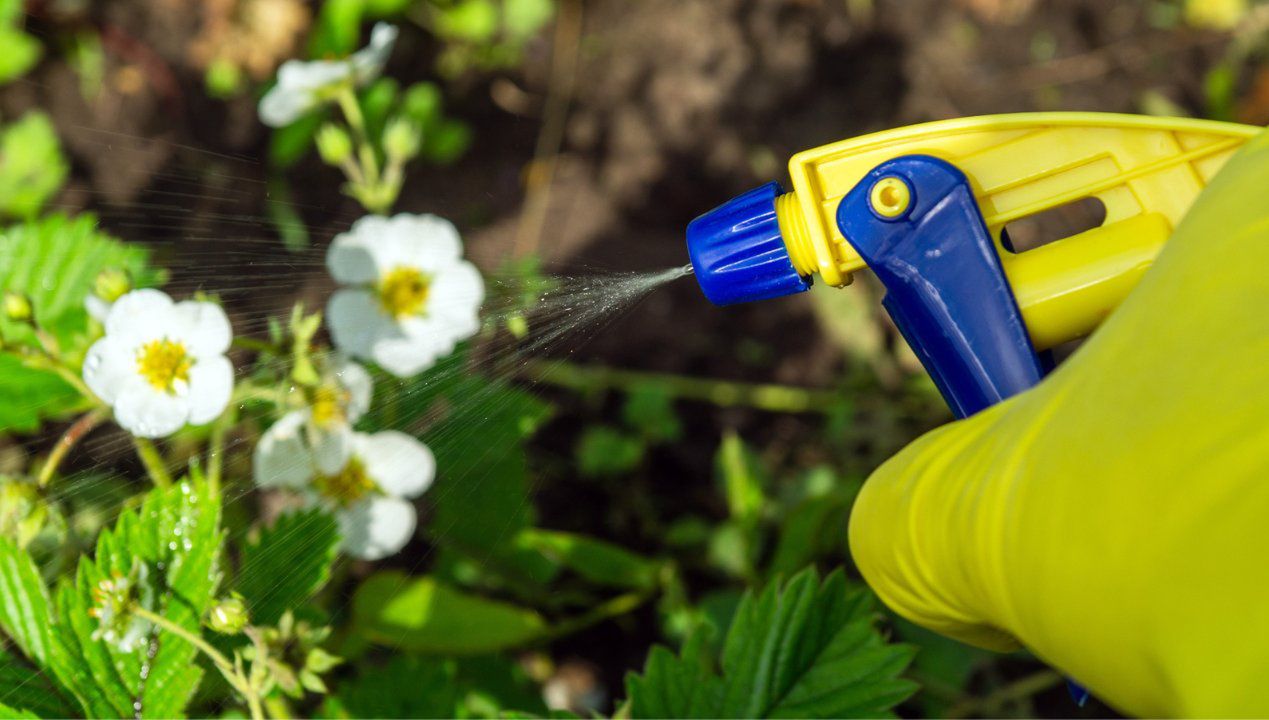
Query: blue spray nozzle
{"points": [[738, 252]]}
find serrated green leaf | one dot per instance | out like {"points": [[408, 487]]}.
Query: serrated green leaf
{"points": [[32, 166], [24, 602], [288, 564], [176, 534], [28, 689], [480, 499], [598, 561], [16, 714], [406, 687], [802, 650], [54, 261], [424, 615]]}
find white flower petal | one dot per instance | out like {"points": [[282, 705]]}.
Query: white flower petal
{"points": [[410, 352], [455, 299], [399, 464], [356, 323], [203, 326], [356, 380], [211, 383], [97, 308], [368, 62], [300, 88], [136, 314], [149, 413], [332, 446], [282, 457], [376, 527], [109, 364], [351, 257]]}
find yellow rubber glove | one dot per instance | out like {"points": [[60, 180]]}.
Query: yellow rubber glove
{"points": [[1115, 519]]}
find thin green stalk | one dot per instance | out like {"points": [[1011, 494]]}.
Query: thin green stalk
{"points": [[725, 393], [222, 663], [153, 462], [216, 451], [1020, 689], [81, 427], [260, 346], [612, 608]]}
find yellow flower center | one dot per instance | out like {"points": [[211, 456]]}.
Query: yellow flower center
{"points": [[328, 406], [403, 291], [165, 364], [346, 486]]}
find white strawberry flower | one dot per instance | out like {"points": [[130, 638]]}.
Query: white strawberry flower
{"points": [[304, 85], [364, 479], [161, 365], [409, 296]]}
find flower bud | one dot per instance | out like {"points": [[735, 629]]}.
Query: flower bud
{"points": [[17, 307], [228, 616], [401, 139], [333, 144], [112, 284]]}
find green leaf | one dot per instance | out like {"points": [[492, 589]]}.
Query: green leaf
{"points": [[814, 527], [24, 602], [742, 479], [480, 499], [424, 615], [27, 396], [288, 144], [376, 102], [470, 20], [407, 687], [15, 714], [422, 103], [287, 564], [802, 650], [337, 29], [176, 535], [447, 141], [524, 18], [386, 8], [54, 261], [607, 452], [598, 561], [26, 686], [21, 52], [32, 166], [649, 409]]}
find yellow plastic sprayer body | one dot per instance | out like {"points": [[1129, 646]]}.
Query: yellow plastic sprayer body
{"points": [[927, 209], [1145, 170]]}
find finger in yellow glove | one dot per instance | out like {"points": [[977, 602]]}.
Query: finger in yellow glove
{"points": [[1114, 519]]}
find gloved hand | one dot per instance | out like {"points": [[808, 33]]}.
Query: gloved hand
{"points": [[1114, 519]]}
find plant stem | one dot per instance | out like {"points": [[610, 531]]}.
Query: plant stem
{"points": [[725, 393], [222, 663], [260, 346], [619, 605], [153, 462], [81, 427], [1021, 688], [216, 452]]}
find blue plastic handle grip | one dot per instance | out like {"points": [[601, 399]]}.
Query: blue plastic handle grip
{"points": [[944, 285]]}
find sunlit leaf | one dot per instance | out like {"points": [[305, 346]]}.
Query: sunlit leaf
{"points": [[424, 615], [598, 561], [176, 534], [32, 166], [605, 452]]}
